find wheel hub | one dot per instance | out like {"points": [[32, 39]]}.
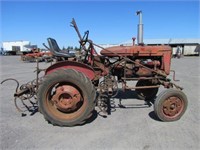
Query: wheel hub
{"points": [[172, 106], [66, 98]]}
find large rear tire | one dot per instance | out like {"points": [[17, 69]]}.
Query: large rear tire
{"points": [[66, 97], [170, 105]]}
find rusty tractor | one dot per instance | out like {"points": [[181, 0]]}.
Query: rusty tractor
{"points": [[74, 86]]}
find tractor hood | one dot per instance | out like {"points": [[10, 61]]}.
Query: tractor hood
{"points": [[136, 51]]}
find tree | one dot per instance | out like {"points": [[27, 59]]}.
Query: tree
{"points": [[69, 47], [76, 49], [63, 48]]}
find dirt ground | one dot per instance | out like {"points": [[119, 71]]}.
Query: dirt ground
{"points": [[134, 127]]}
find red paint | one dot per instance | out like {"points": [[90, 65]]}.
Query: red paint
{"points": [[135, 51], [83, 68], [144, 51]]}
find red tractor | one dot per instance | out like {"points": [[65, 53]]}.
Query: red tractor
{"points": [[72, 88]]}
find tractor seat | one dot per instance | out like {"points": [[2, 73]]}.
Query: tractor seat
{"points": [[56, 51]]}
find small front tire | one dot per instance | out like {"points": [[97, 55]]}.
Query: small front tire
{"points": [[170, 105]]}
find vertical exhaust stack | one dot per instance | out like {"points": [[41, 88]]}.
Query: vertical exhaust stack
{"points": [[140, 29]]}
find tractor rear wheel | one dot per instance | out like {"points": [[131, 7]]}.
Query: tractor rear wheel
{"points": [[66, 97], [146, 94], [170, 105]]}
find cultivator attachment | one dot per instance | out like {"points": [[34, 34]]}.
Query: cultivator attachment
{"points": [[25, 96]]}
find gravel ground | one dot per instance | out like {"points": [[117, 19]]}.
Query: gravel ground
{"points": [[131, 128]]}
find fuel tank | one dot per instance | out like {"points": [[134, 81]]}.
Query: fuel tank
{"points": [[136, 51]]}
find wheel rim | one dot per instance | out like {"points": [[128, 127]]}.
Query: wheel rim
{"points": [[172, 107], [65, 101], [66, 98]]}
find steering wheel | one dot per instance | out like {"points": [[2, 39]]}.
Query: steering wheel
{"points": [[85, 38], [83, 41]]}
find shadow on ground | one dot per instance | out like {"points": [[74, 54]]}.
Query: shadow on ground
{"points": [[121, 96]]}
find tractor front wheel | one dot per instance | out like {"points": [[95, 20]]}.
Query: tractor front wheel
{"points": [[170, 105], [66, 97]]}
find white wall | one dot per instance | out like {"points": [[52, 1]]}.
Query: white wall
{"points": [[174, 49], [190, 49], [7, 46]]}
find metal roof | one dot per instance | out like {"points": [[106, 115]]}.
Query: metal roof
{"points": [[165, 41], [185, 41]]}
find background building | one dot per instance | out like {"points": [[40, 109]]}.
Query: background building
{"points": [[186, 46], [16, 47]]}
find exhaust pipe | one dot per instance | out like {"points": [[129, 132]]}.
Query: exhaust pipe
{"points": [[140, 29]]}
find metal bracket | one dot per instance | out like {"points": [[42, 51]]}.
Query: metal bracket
{"points": [[174, 75]]}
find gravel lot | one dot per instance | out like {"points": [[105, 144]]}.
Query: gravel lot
{"points": [[131, 128]]}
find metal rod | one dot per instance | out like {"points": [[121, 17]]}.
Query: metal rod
{"points": [[142, 78], [143, 87], [21, 92], [174, 75], [73, 24]]}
